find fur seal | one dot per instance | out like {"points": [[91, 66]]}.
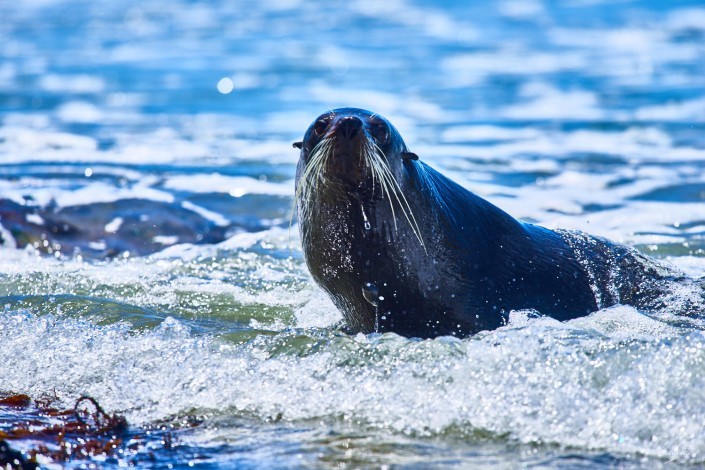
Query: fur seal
{"points": [[399, 247]]}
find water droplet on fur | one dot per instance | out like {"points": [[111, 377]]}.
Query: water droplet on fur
{"points": [[371, 293], [367, 224]]}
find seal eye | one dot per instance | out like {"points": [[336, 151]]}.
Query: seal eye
{"points": [[320, 127], [381, 133]]}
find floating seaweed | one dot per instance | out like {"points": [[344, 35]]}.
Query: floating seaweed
{"points": [[58, 435]]}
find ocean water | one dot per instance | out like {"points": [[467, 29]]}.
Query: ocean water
{"points": [[146, 189]]}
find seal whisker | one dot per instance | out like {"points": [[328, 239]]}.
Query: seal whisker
{"points": [[369, 162], [378, 167], [405, 207], [309, 179], [387, 191], [318, 156]]}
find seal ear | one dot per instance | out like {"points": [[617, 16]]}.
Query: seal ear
{"points": [[409, 156], [297, 145]]}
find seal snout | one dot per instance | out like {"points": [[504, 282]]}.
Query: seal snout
{"points": [[348, 133], [349, 127]]}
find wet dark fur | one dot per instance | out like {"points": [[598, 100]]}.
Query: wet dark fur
{"points": [[477, 262]]}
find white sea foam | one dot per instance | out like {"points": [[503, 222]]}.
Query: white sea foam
{"points": [[521, 9], [687, 18], [7, 240], [34, 219], [637, 144], [615, 40], [509, 62], [593, 384], [165, 239], [484, 133], [206, 214], [114, 225], [72, 83], [23, 144], [318, 312], [688, 110], [545, 102], [236, 186], [90, 193], [693, 266], [273, 151], [78, 111], [385, 103], [165, 279], [433, 22]]}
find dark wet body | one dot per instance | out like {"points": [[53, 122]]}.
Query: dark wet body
{"points": [[476, 263]]}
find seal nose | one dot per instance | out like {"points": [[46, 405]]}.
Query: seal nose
{"points": [[349, 127]]}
